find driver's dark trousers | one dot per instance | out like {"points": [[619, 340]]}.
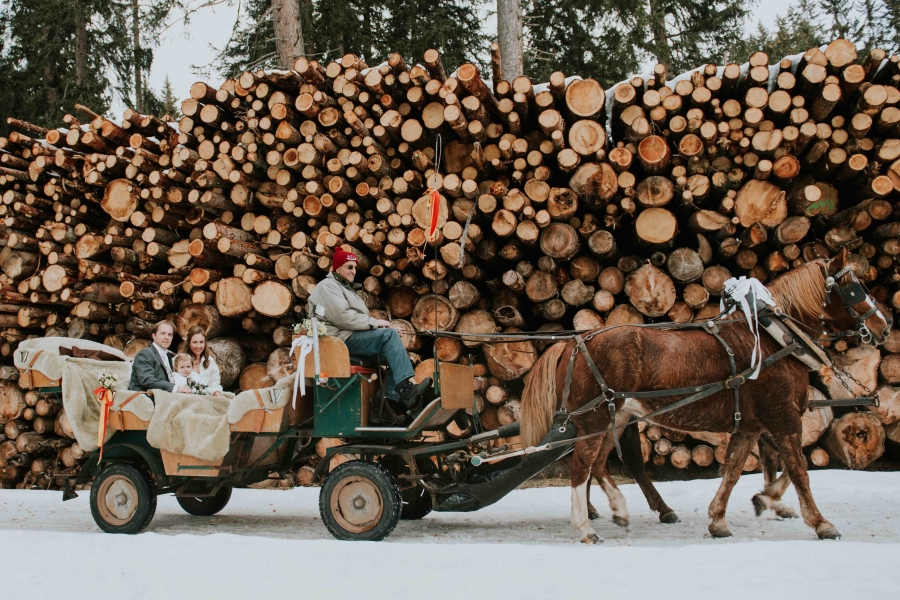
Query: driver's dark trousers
{"points": [[384, 342]]}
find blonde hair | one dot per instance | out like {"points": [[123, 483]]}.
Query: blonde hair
{"points": [[180, 358]]}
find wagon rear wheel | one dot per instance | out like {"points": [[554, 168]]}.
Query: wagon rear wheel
{"points": [[416, 499], [123, 499], [206, 506], [360, 501]]}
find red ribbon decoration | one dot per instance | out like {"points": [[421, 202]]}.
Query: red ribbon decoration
{"points": [[435, 213], [105, 398]]}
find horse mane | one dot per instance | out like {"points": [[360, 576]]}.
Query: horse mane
{"points": [[800, 292]]}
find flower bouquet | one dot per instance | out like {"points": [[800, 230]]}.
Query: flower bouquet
{"points": [[198, 387], [304, 327]]}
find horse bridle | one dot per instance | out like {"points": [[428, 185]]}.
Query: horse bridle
{"points": [[852, 293]]}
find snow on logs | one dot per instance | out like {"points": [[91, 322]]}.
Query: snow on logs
{"points": [[559, 209]]}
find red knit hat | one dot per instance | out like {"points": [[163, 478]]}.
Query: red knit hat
{"points": [[340, 257]]}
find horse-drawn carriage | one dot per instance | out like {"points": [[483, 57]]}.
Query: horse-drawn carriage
{"points": [[406, 471], [397, 472]]}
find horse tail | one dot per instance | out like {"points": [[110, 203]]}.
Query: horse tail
{"points": [[538, 401]]}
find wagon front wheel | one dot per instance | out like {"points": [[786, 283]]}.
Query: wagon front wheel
{"points": [[360, 501], [123, 499]]}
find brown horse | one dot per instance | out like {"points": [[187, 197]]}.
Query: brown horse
{"points": [[640, 359]]}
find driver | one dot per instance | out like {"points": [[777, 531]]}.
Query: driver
{"points": [[347, 318]]}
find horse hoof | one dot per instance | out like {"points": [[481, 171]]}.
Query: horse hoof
{"points": [[620, 521], [593, 515], [786, 512], [759, 505], [827, 531], [591, 539], [719, 531], [669, 518]]}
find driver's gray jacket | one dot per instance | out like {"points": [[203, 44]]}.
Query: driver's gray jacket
{"points": [[345, 311]]}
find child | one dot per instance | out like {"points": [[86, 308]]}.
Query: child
{"points": [[183, 375]]}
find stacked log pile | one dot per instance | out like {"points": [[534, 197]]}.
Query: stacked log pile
{"points": [[563, 206]]}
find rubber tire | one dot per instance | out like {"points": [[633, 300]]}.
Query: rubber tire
{"points": [[415, 507], [206, 506], [390, 496], [145, 489], [416, 501]]}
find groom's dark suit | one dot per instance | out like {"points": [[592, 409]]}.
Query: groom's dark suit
{"points": [[149, 373]]}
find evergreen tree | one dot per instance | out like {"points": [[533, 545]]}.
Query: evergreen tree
{"points": [[450, 26], [683, 34], [607, 39], [57, 53], [170, 103], [369, 29], [252, 43], [579, 39], [795, 32]]}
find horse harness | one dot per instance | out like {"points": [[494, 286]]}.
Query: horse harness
{"points": [[774, 321], [608, 395]]}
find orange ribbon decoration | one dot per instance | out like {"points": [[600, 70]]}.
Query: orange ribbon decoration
{"points": [[105, 398], [435, 213]]}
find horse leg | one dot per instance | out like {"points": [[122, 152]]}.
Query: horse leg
{"points": [[774, 486], [616, 500], [738, 449], [583, 458], [634, 460], [795, 465]]}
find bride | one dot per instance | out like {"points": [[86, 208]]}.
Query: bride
{"points": [[204, 362]]}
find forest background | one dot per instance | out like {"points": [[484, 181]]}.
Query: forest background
{"points": [[106, 54]]}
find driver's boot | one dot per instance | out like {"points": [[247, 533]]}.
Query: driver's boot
{"points": [[411, 394]]}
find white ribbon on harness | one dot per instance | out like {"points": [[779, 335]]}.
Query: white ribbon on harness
{"points": [[305, 345], [746, 292]]}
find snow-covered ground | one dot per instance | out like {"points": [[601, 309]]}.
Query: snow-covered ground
{"points": [[271, 544]]}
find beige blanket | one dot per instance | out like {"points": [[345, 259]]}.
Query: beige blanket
{"points": [[190, 424], [79, 380], [200, 426]]}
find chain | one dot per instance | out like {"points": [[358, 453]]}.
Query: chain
{"points": [[838, 370]]}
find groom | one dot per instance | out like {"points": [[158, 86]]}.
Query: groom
{"points": [[151, 369]]}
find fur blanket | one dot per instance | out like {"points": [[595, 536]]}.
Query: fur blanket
{"points": [[189, 424], [79, 380], [200, 426]]}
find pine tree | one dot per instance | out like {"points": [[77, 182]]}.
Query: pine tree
{"points": [[795, 32], [580, 39], [371, 30], [683, 34], [252, 43], [607, 39], [450, 26], [57, 53], [170, 102]]}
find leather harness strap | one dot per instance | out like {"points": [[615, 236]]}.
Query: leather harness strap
{"points": [[701, 392], [262, 412], [713, 329]]}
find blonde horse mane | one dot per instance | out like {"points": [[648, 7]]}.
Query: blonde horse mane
{"points": [[801, 292], [539, 397]]}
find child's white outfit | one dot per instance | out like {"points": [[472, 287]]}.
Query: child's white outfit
{"points": [[182, 380]]}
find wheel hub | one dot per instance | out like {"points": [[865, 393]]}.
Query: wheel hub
{"points": [[357, 504], [118, 500]]}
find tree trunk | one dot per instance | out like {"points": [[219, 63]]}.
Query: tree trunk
{"points": [[510, 37], [288, 25]]}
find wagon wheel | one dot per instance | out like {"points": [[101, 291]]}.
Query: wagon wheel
{"points": [[123, 499], [206, 506], [416, 499], [360, 501]]}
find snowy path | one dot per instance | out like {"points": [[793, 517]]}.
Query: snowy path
{"points": [[271, 544]]}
